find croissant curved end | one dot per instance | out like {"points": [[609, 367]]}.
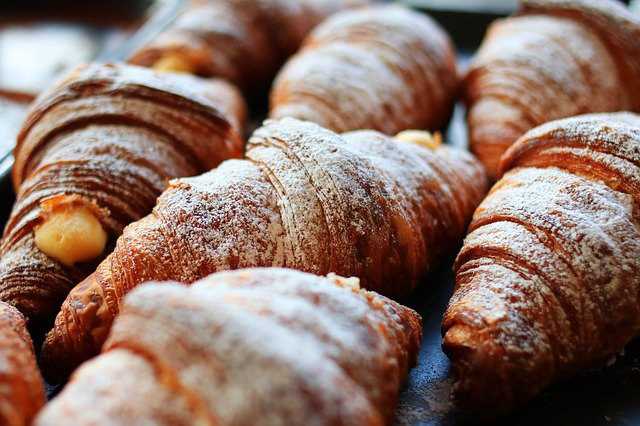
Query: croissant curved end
{"points": [[476, 379]]}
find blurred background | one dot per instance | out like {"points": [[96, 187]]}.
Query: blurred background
{"points": [[39, 39]]}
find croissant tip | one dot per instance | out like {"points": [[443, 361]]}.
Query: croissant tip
{"points": [[476, 389]]}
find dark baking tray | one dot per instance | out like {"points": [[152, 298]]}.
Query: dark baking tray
{"points": [[610, 396]]}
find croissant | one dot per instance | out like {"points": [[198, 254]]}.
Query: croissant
{"points": [[555, 59], [93, 155], [304, 198], [242, 41], [385, 68], [548, 280], [251, 347], [21, 387]]}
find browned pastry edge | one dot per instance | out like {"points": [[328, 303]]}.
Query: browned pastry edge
{"points": [[21, 387], [548, 280], [253, 346], [304, 198]]}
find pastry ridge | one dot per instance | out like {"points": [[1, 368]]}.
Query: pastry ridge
{"points": [[547, 280], [107, 137], [384, 68], [553, 59], [253, 346]]}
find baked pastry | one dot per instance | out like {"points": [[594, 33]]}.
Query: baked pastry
{"points": [[242, 41], [93, 155], [250, 347], [385, 68], [21, 387], [548, 280], [305, 198], [554, 59]]}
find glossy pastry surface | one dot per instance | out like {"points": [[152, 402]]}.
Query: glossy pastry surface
{"points": [[241, 41]]}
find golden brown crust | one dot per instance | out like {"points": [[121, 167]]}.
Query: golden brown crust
{"points": [[618, 27], [555, 59], [548, 280], [242, 41], [249, 347], [305, 198], [21, 387], [108, 137], [384, 68]]}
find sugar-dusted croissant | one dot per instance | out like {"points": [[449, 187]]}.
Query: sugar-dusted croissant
{"points": [[385, 68], [548, 280], [93, 155], [242, 41], [261, 346], [21, 387], [555, 59], [306, 198]]}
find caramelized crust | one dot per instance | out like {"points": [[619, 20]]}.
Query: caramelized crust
{"points": [[242, 41], [250, 347], [21, 387], [548, 280], [107, 139], [384, 68], [557, 58], [305, 198]]}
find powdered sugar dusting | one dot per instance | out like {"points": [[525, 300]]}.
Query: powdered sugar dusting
{"points": [[306, 198], [256, 346], [548, 280]]}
